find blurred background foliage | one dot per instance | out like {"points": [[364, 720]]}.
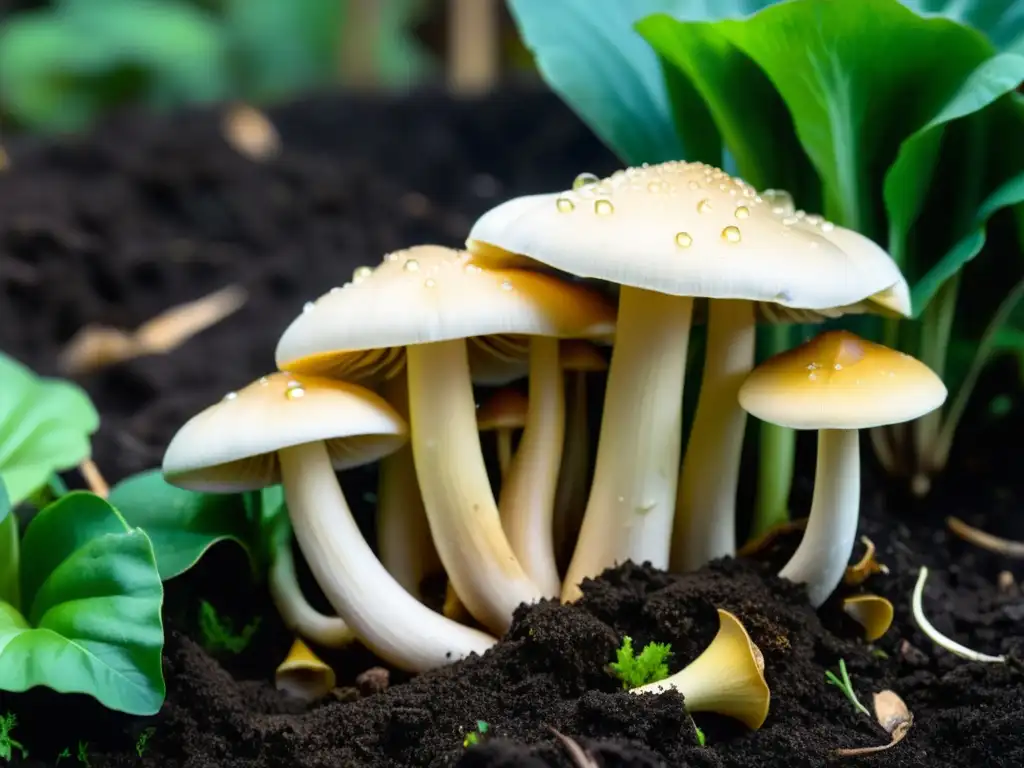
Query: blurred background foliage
{"points": [[64, 63]]}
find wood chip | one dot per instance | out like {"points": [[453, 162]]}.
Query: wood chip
{"points": [[98, 346], [979, 538], [866, 567], [762, 542], [250, 133], [894, 716]]}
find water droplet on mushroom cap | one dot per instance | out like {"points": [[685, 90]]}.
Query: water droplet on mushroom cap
{"points": [[684, 239], [584, 180], [731, 234], [565, 205]]}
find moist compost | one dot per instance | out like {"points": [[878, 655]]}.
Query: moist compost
{"points": [[147, 213]]}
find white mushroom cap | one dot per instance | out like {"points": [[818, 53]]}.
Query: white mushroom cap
{"points": [[686, 229], [232, 445], [429, 294], [838, 380]]}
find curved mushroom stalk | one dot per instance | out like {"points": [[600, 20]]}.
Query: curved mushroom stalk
{"points": [[457, 495], [632, 499], [825, 549], [705, 523], [403, 534], [527, 500], [386, 618], [296, 612]]}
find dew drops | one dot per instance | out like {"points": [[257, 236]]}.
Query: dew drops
{"points": [[813, 366], [361, 273], [731, 234], [506, 285], [684, 239], [584, 180], [812, 376], [411, 265], [603, 207], [473, 269], [827, 226], [309, 306], [231, 396], [294, 393], [264, 381], [780, 200], [655, 186], [703, 206], [429, 282], [565, 205], [335, 289], [742, 212], [838, 366], [391, 257], [694, 185]]}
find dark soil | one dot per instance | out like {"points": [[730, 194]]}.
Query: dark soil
{"points": [[148, 213]]}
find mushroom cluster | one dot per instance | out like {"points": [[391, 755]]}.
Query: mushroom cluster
{"points": [[384, 369]]}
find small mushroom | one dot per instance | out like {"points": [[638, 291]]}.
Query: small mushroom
{"points": [[864, 568], [298, 430], [668, 233], [503, 413], [838, 384], [727, 678], [303, 675], [872, 612], [446, 298]]}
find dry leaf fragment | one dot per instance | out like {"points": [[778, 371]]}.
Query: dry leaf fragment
{"points": [[984, 540], [893, 715], [580, 756], [251, 133], [867, 566], [98, 346]]}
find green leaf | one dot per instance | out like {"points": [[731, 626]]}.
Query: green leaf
{"points": [[907, 180], [280, 48], [182, 524], [649, 666], [10, 556], [756, 128], [850, 105], [1002, 21], [5, 502], [606, 72], [922, 292], [44, 427], [94, 598]]}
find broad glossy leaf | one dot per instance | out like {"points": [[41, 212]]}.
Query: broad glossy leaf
{"points": [[1001, 20], [44, 427], [849, 104], [93, 597], [908, 179], [182, 524], [603, 69], [757, 129]]}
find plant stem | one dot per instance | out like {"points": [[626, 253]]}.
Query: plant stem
{"points": [[777, 454], [10, 585]]}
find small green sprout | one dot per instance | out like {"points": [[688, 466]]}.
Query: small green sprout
{"points": [[83, 753], [7, 743], [63, 753], [845, 685], [219, 635], [701, 738], [648, 667], [878, 653], [475, 737], [143, 742]]}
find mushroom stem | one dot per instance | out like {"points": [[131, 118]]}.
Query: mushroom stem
{"points": [[705, 523], [632, 498], [386, 619], [820, 560], [296, 612], [403, 535], [571, 495], [457, 496], [527, 499], [503, 437]]}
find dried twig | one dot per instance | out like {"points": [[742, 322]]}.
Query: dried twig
{"points": [[94, 478], [894, 716], [937, 637], [580, 756], [96, 346], [984, 540]]}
